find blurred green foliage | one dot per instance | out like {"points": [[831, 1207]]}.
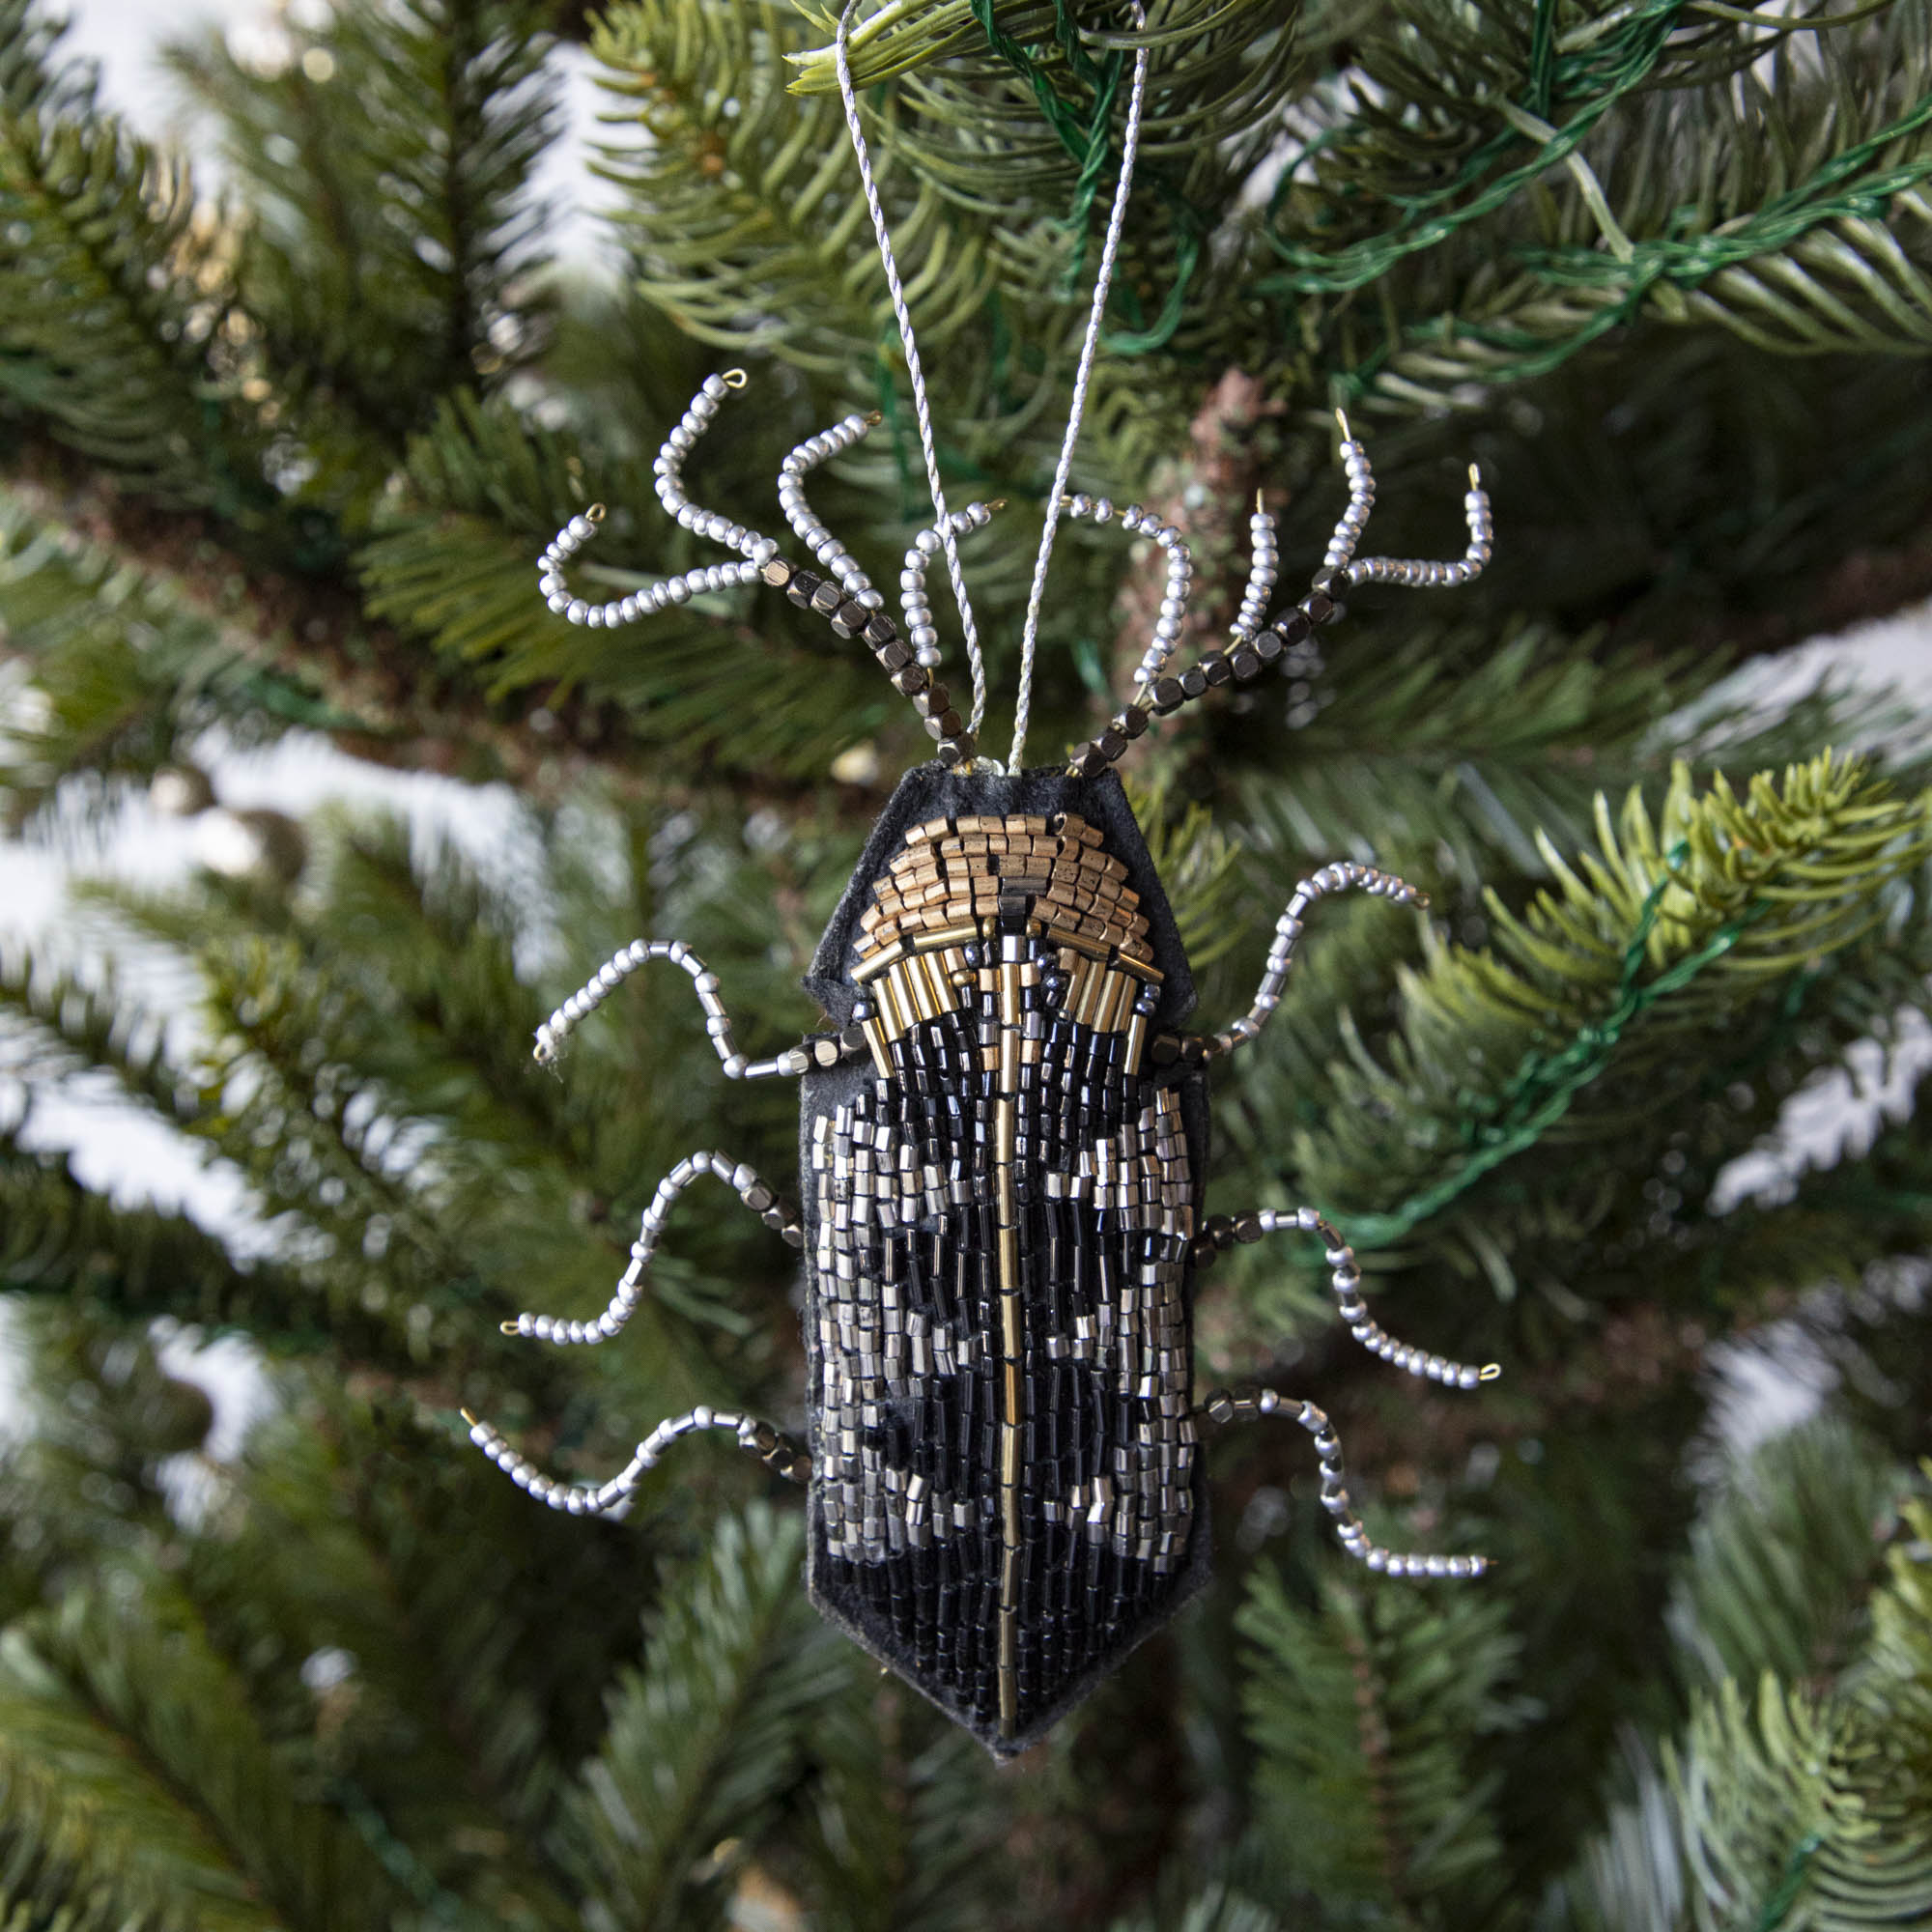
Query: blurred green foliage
{"points": [[281, 458]]}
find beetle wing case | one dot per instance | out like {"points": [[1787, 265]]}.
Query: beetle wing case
{"points": [[999, 1211]]}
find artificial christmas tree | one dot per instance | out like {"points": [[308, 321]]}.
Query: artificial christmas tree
{"points": [[285, 461]]}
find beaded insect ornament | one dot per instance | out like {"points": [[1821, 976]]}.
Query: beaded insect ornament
{"points": [[1003, 1128]]}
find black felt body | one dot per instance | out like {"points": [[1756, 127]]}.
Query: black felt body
{"points": [[925, 794]]}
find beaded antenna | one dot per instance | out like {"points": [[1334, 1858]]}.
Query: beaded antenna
{"points": [[1002, 1127]]}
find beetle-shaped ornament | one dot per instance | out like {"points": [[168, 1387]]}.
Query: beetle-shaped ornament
{"points": [[1003, 1141]]}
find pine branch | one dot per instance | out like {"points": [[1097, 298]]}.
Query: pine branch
{"points": [[1361, 1714], [1453, 736], [127, 671], [1196, 864], [103, 1434], [60, 1239], [742, 228], [1687, 921], [129, 1743], [902, 1828], [708, 1735], [110, 302], [1784, 1802], [1780, 1570], [394, 242], [740, 221], [316, 659], [1026, 95], [1796, 226], [1216, 1909], [457, 1677]]}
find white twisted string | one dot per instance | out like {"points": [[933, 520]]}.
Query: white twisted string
{"points": [[1131, 142], [941, 519]]}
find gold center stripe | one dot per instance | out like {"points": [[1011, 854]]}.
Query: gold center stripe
{"points": [[1012, 1409]]}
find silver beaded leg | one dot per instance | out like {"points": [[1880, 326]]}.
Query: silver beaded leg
{"points": [[757, 549], [920, 631], [831, 554], [1238, 1404], [669, 469], [778, 1452], [1341, 550], [1345, 1280], [553, 1032], [1344, 876], [1263, 563], [751, 1191], [1417, 573], [1140, 523]]}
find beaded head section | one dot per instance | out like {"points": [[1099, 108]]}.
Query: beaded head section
{"points": [[959, 886], [957, 871]]}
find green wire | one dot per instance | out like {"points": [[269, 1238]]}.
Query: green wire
{"points": [[1087, 142], [1777, 1907], [1545, 1084]]}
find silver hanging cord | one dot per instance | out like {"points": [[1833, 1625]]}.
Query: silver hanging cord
{"points": [[1131, 142], [941, 519]]}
